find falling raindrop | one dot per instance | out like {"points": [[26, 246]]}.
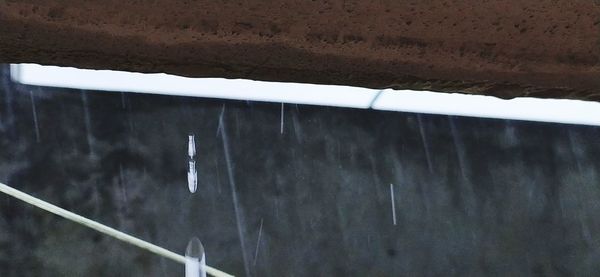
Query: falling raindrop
{"points": [[425, 143], [191, 146], [130, 122], [466, 187], [258, 241], [88, 123], [281, 128], [192, 177], [459, 147], [195, 260], [123, 187], [234, 196], [296, 125], [35, 119], [393, 204], [220, 120], [123, 100]]}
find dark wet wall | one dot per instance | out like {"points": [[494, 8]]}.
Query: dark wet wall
{"points": [[472, 197]]}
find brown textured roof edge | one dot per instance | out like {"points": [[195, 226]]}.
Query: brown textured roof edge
{"points": [[46, 40]]}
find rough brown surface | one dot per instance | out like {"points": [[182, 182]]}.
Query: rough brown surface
{"points": [[541, 48]]}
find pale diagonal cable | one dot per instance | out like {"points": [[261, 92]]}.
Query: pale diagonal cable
{"points": [[103, 228]]}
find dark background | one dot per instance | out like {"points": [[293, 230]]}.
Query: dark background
{"points": [[473, 196]]}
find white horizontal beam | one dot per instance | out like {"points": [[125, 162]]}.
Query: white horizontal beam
{"points": [[159, 83], [531, 109]]}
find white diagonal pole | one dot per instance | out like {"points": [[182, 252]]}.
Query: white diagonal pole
{"points": [[103, 228]]}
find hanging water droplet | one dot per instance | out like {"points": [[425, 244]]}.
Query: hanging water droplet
{"points": [[195, 261], [192, 174], [191, 146], [192, 177]]}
